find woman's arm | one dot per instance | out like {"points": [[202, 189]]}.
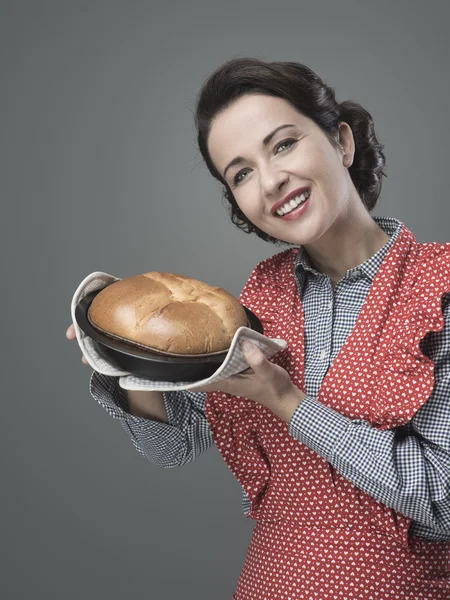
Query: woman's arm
{"points": [[174, 441], [398, 467], [406, 468], [148, 405]]}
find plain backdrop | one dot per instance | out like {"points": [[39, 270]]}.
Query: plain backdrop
{"points": [[99, 170]]}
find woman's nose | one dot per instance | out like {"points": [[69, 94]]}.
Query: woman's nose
{"points": [[272, 181]]}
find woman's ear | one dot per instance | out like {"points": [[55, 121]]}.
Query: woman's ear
{"points": [[347, 143]]}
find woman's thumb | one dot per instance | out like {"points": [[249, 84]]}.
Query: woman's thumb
{"points": [[253, 354]]}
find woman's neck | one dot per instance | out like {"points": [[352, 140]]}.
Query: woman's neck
{"points": [[346, 245]]}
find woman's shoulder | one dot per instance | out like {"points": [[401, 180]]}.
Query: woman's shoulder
{"points": [[432, 254], [277, 267], [425, 300], [270, 276], [431, 270]]}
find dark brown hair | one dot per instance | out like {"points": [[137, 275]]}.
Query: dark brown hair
{"points": [[300, 86]]}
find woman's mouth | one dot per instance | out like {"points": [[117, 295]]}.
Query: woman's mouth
{"points": [[295, 208]]}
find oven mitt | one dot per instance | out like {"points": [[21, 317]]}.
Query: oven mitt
{"points": [[234, 362]]}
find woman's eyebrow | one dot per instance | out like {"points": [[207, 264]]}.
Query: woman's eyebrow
{"points": [[266, 140]]}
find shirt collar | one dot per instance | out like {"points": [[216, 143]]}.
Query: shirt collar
{"points": [[367, 269]]}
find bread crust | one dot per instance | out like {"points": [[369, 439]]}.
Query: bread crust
{"points": [[169, 312]]}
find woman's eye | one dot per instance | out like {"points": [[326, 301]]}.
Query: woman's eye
{"points": [[285, 143], [289, 142], [236, 178]]}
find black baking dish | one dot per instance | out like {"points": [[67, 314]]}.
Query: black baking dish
{"points": [[143, 362]]}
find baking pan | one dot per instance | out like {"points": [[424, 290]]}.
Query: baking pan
{"points": [[145, 362]]}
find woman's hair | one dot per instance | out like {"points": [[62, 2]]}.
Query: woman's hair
{"points": [[300, 86]]}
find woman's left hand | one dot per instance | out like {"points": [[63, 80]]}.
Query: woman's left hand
{"points": [[264, 382]]}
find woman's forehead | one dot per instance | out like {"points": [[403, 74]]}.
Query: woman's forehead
{"points": [[255, 109], [248, 120]]}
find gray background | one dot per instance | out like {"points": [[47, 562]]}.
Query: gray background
{"points": [[99, 171]]}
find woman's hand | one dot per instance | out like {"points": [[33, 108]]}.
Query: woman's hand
{"points": [[71, 335], [263, 382]]}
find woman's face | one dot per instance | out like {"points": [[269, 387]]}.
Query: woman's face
{"points": [[267, 171]]}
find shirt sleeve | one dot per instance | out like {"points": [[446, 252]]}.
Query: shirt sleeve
{"points": [[406, 468], [172, 444]]}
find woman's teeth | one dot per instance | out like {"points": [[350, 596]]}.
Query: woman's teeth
{"points": [[293, 203]]}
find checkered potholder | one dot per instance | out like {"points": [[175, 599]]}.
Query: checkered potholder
{"points": [[234, 362]]}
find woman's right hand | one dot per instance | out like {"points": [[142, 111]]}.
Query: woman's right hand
{"points": [[71, 335]]}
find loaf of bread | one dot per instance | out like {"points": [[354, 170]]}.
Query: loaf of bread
{"points": [[168, 312]]}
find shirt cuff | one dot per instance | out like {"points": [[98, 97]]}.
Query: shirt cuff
{"points": [[108, 393], [318, 426]]}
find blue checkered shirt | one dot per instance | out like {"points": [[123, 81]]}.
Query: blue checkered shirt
{"points": [[407, 468]]}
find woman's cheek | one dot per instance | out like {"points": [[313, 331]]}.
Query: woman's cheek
{"points": [[304, 163], [247, 205]]}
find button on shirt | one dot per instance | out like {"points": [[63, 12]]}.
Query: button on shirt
{"points": [[412, 474]]}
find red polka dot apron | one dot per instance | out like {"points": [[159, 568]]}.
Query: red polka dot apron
{"points": [[317, 536]]}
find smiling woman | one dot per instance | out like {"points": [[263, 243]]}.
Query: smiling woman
{"points": [[341, 442], [311, 101]]}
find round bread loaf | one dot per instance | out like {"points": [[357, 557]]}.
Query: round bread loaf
{"points": [[169, 312]]}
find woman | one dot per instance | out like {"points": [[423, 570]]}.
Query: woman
{"points": [[340, 442]]}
